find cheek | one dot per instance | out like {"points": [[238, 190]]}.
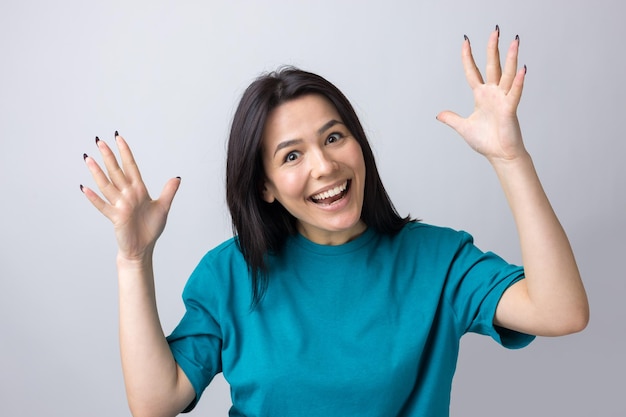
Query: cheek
{"points": [[357, 161], [290, 184]]}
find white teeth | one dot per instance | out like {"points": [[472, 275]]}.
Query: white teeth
{"points": [[332, 192]]}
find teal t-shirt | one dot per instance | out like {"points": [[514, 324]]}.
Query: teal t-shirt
{"points": [[368, 328]]}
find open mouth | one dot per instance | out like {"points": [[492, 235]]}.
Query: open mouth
{"points": [[333, 195]]}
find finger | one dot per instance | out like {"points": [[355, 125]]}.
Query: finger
{"points": [[168, 192], [128, 160], [110, 162], [472, 74], [518, 85], [451, 119], [510, 66], [493, 70], [108, 189], [95, 199]]}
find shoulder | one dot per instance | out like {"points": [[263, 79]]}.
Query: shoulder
{"points": [[220, 277], [432, 235], [424, 243], [226, 249], [222, 261]]}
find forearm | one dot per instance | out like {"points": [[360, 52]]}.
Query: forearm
{"points": [[555, 296], [155, 385]]}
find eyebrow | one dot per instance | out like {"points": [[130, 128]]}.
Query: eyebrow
{"points": [[327, 126], [286, 144], [291, 142]]}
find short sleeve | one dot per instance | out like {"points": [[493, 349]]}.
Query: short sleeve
{"points": [[196, 341], [475, 285]]}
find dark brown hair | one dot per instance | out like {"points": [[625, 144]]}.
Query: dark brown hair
{"points": [[262, 228]]}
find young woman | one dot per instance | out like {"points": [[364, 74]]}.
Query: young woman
{"points": [[327, 302]]}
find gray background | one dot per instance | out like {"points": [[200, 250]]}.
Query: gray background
{"points": [[167, 75]]}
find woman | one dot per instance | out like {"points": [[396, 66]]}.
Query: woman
{"points": [[328, 302]]}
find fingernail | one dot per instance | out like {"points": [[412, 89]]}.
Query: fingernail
{"points": [[517, 38], [525, 69], [498, 30], [85, 156], [179, 178], [116, 134], [466, 38], [97, 140], [81, 188]]}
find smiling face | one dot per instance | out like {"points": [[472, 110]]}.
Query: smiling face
{"points": [[314, 167]]}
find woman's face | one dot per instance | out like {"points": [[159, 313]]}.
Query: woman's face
{"points": [[314, 167]]}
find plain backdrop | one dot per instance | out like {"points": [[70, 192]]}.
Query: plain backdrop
{"points": [[168, 75]]}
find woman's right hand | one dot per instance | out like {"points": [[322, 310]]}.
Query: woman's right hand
{"points": [[137, 219]]}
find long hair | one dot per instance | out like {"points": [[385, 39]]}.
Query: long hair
{"points": [[261, 227]]}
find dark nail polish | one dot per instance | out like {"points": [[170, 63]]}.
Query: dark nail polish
{"points": [[466, 38], [525, 69], [81, 188], [85, 156], [517, 38], [498, 30], [116, 134], [178, 178], [97, 140]]}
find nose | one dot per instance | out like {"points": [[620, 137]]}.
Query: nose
{"points": [[322, 164]]}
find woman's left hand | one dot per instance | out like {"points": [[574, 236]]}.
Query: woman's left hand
{"points": [[551, 300], [492, 129]]}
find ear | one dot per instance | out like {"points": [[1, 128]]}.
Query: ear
{"points": [[268, 195]]}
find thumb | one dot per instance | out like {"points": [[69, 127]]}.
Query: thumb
{"points": [[451, 119], [169, 191]]}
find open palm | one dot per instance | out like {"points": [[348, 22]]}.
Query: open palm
{"points": [[492, 129], [137, 219]]}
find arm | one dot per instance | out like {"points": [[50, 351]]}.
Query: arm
{"points": [[551, 300], [155, 385]]}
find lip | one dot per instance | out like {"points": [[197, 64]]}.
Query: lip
{"points": [[330, 187], [339, 204]]}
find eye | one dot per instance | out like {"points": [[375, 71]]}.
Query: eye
{"points": [[334, 137], [292, 156]]}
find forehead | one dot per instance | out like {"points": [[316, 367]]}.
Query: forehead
{"points": [[298, 118]]}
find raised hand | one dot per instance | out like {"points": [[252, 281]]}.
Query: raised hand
{"points": [[492, 129], [137, 219], [155, 384], [551, 300]]}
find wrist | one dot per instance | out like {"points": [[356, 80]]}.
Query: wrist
{"points": [[511, 162], [142, 261]]}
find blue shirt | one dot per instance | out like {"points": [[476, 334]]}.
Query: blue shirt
{"points": [[367, 328]]}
